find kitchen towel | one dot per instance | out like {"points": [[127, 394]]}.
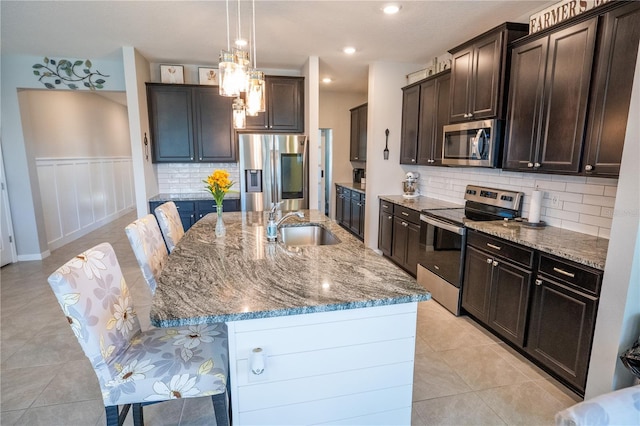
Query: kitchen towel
{"points": [[534, 209]]}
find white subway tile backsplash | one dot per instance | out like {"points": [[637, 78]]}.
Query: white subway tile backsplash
{"points": [[602, 181], [585, 188], [610, 191], [580, 227], [599, 201], [562, 214], [577, 195], [550, 185], [185, 178], [582, 208], [602, 222]]}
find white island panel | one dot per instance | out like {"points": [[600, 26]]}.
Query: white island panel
{"points": [[329, 367]]}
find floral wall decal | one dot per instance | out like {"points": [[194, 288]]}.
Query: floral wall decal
{"points": [[53, 73]]}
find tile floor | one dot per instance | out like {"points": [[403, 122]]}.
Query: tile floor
{"points": [[463, 374]]}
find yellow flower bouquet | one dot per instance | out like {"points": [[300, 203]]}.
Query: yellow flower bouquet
{"points": [[218, 183]]}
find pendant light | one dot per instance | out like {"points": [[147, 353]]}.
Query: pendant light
{"points": [[239, 116], [227, 68], [255, 82]]}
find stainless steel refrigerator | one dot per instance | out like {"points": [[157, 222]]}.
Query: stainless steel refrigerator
{"points": [[273, 168]]}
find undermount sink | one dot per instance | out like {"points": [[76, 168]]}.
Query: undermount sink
{"points": [[307, 235]]}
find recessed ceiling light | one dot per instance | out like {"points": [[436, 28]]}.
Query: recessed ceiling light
{"points": [[349, 50], [391, 9], [326, 80]]}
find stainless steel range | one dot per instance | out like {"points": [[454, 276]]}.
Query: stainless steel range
{"points": [[443, 239]]}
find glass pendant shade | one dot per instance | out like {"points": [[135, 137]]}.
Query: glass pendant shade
{"points": [[227, 75], [239, 116], [241, 58], [255, 93]]}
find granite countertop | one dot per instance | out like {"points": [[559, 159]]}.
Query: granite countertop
{"points": [[578, 247], [353, 186], [242, 276], [421, 202], [189, 196]]}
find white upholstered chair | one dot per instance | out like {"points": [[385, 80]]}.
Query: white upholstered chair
{"points": [[149, 248], [170, 223], [135, 367]]}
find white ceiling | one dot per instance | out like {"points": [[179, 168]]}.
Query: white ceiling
{"points": [[287, 32]]}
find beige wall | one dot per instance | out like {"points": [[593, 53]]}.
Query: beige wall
{"points": [[74, 124], [335, 115]]}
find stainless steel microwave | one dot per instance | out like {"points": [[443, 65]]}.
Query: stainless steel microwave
{"points": [[471, 144]]}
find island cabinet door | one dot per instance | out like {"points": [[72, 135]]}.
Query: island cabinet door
{"points": [[353, 366]]}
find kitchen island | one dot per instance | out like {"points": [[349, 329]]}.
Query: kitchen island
{"points": [[336, 323]]}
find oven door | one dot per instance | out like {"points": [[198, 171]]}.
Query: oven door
{"points": [[442, 247]]}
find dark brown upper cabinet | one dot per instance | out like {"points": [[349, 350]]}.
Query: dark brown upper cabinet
{"points": [[284, 107], [190, 123], [611, 90], [479, 74], [425, 111], [410, 118], [550, 81], [358, 147]]}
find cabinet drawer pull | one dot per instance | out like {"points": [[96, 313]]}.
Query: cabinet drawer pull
{"points": [[405, 224], [538, 282], [493, 246], [563, 272], [385, 206], [404, 213]]}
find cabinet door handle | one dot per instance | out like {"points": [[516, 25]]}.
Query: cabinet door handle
{"points": [[538, 282], [489, 261], [178, 207], [530, 165], [563, 272], [200, 158], [493, 246], [390, 217], [360, 204], [413, 160], [200, 215], [588, 167], [404, 213], [536, 165], [495, 263], [405, 224], [385, 206], [355, 158]]}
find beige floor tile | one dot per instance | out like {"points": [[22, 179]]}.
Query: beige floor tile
{"points": [[21, 386], [433, 378], [75, 381], [456, 410], [559, 391], [52, 349], [481, 368], [520, 362], [522, 404], [198, 412], [76, 413], [10, 418]]}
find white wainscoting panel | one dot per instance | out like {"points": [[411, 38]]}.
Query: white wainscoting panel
{"points": [[81, 194]]}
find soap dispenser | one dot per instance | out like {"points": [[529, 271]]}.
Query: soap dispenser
{"points": [[272, 226]]}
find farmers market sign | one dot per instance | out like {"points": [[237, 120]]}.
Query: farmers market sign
{"points": [[560, 12]]}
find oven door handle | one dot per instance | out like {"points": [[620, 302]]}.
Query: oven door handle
{"points": [[460, 230]]}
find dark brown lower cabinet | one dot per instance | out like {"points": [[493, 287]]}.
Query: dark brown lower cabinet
{"points": [[406, 238], [385, 227], [191, 211], [496, 292], [543, 305], [563, 314], [350, 210]]}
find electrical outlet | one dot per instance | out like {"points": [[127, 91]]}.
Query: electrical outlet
{"points": [[555, 200]]}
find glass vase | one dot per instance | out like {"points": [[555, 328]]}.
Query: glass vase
{"points": [[220, 228]]}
